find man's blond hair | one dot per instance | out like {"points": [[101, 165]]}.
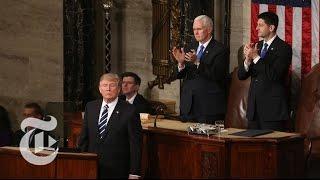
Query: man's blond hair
{"points": [[110, 77]]}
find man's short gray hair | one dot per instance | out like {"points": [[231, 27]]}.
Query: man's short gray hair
{"points": [[206, 20]]}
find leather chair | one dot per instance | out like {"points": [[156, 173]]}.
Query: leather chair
{"points": [[237, 102], [308, 112]]}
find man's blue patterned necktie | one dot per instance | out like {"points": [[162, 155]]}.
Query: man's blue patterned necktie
{"points": [[264, 50], [200, 53]]}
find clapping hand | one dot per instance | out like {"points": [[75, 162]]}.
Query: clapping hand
{"points": [[179, 55], [250, 51], [191, 56]]}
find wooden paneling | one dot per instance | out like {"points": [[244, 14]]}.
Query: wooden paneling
{"points": [[82, 168], [175, 154], [65, 165], [166, 153], [212, 161], [257, 158], [14, 166]]}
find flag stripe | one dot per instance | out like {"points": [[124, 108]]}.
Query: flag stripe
{"points": [[288, 25], [272, 8], [296, 41], [254, 19], [292, 3], [288, 39], [315, 32], [306, 41], [281, 25], [263, 8]]}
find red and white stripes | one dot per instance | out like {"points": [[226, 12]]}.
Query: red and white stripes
{"points": [[299, 27], [315, 32]]}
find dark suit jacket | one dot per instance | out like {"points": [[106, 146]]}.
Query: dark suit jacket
{"points": [[119, 150], [17, 136], [203, 94], [267, 93], [141, 104]]}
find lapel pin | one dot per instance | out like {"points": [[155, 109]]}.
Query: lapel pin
{"points": [[117, 112]]}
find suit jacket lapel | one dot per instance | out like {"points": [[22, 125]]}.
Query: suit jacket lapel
{"points": [[113, 118], [260, 46], [137, 100], [96, 112], [210, 50], [273, 45]]}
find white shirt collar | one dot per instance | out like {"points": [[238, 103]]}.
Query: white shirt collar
{"points": [[204, 44], [270, 41], [132, 98], [113, 103], [111, 107]]}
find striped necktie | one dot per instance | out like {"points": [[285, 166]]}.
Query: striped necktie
{"points": [[102, 124]]}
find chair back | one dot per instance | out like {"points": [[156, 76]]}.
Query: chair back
{"points": [[308, 109], [237, 102]]}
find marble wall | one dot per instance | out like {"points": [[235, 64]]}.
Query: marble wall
{"points": [[240, 28], [31, 54]]}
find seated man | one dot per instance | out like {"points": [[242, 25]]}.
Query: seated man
{"points": [[5, 127], [130, 86], [31, 110]]}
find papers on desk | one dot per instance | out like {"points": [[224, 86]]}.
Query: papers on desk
{"points": [[147, 118], [252, 132]]}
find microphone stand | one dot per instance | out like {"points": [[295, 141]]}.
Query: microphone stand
{"points": [[158, 110]]}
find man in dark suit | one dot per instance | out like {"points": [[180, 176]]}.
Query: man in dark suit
{"points": [[267, 63], [130, 87], [112, 129], [32, 110], [204, 69]]}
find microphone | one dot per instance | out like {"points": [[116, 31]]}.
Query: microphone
{"points": [[160, 109]]}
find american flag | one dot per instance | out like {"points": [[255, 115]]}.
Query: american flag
{"points": [[298, 26]]}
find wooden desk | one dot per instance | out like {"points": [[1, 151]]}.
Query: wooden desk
{"points": [[169, 152], [65, 165]]}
